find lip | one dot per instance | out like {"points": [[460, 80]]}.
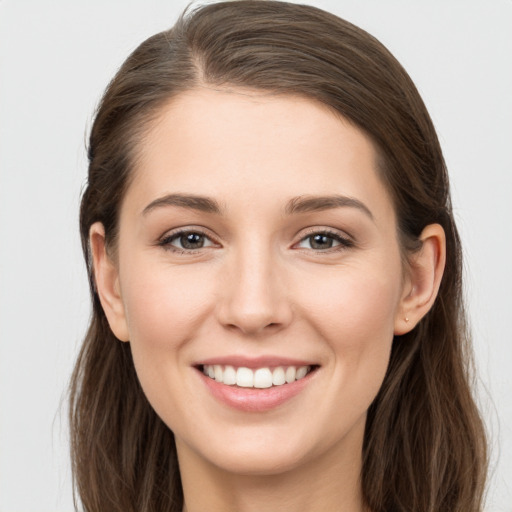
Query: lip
{"points": [[252, 399], [255, 362]]}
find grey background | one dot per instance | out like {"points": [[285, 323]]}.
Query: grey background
{"points": [[56, 57]]}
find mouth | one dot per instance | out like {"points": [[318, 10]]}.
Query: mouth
{"points": [[258, 378], [255, 385]]}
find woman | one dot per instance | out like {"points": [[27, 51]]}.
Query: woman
{"points": [[276, 279]]}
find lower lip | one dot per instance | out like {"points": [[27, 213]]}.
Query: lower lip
{"points": [[253, 399]]}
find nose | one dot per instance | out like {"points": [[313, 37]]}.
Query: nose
{"points": [[253, 298]]}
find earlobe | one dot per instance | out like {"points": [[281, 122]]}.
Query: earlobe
{"points": [[425, 272], [107, 283]]}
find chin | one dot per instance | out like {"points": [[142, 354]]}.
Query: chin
{"points": [[256, 462], [266, 451]]}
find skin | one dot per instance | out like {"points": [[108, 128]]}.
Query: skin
{"points": [[259, 287]]}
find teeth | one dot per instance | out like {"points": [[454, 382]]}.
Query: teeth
{"points": [[260, 378], [229, 376], [245, 378], [278, 377], [300, 374], [290, 374]]}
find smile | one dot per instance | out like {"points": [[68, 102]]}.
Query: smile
{"points": [[255, 384], [260, 378]]}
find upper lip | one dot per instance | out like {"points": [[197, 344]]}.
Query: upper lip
{"points": [[254, 362]]}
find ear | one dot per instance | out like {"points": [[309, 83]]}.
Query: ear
{"points": [[106, 276], [423, 279]]}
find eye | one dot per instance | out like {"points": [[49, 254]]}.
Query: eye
{"points": [[323, 241], [186, 241]]}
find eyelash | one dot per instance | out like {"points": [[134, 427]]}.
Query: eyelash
{"points": [[343, 242], [166, 242]]}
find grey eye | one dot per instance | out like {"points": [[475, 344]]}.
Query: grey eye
{"points": [[188, 241], [192, 241], [319, 241]]}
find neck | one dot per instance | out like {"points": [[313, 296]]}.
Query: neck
{"points": [[329, 482]]}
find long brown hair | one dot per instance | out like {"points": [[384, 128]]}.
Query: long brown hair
{"points": [[424, 447]]}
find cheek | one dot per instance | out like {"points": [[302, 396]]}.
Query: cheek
{"points": [[354, 316], [165, 309], [164, 305], [349, 305]]}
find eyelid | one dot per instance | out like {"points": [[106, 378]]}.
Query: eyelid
{"points": [[168, 236], [345, 240]]}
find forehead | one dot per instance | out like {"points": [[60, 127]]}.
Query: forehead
{"points": [[248, 146]]}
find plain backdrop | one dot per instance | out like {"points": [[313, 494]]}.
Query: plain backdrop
{"points": [[56, 57]]}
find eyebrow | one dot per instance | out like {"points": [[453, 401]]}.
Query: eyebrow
{"points": [[304, 204], [300, 204], [200, 203]]}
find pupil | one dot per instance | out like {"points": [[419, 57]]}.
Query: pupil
{"points": [[192, 241], [321, 242]]}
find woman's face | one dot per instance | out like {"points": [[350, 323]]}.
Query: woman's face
{"points": [[257, 239]]}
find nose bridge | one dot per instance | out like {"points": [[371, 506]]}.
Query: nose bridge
{"points": [[254, 298]]}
